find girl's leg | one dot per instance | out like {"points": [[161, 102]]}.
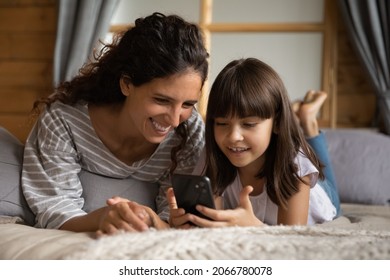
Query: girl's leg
{"points": [[306, 112], [319, 145]]}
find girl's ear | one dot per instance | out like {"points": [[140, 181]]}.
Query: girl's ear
{"points": [[126, 85]]}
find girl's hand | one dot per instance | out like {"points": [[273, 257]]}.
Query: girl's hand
{"points": [[241, 216], [177, 217]]}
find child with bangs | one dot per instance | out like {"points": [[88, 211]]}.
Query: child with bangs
{"points": [[268, 164]]}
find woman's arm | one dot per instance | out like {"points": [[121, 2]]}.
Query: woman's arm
{"points": [[120, 214], [107, 220]]}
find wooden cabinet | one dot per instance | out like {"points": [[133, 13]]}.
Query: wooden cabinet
{"points": [[27, 38]]}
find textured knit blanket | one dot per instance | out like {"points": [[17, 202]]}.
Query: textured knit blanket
{"points": [[362, 232], [276, 242]]}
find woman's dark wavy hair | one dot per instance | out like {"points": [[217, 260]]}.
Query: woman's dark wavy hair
{"points": [[157, 46], [249, 87]]}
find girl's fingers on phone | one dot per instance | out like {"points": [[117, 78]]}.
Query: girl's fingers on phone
{"points": [[201, 222], [171, 199], [221, 217], [178, 218], [209, 212]]}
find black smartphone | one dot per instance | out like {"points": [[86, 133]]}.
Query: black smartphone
{"points": [[191, 190]]}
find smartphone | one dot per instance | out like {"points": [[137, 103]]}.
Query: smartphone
{"points": [[191, 190]]}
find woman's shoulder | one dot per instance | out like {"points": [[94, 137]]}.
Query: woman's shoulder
{"points": [[59, 118], [196, 125], [195, 119], [60, 107], [59, 111]]}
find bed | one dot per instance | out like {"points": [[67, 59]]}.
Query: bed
{"points": [[361, 162]]}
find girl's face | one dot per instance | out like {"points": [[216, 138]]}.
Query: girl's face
{"points": [[159, 106], [243, 141]]}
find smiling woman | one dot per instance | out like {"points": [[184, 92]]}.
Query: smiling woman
{"points": [[161, 105], [130, 114]]}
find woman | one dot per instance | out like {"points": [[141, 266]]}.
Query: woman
{"points": [[129, 114]]}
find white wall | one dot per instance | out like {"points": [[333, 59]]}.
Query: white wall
{"points": [[297, 57]]}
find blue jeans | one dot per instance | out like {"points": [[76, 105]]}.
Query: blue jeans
{"points": [[319, 145]]}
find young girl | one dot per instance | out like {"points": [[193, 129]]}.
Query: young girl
{"points": [[257, 155]]}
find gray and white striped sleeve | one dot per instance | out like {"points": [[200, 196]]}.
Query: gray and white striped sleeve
{"points": [[50, 182]]}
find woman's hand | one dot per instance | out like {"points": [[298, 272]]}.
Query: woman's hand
{"points": [[123, 214], [138, 209], [241, 216]]}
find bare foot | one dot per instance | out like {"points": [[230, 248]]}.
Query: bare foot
{"points": [[307, 111]]}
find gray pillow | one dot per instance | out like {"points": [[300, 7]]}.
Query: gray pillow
{"points": [[12, 201], [97, 189], [361, 162]]}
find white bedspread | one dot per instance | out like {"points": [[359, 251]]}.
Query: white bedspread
{"points": [[363, 232]]}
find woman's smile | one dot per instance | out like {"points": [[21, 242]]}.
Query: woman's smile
{"points": [[159, 128]]}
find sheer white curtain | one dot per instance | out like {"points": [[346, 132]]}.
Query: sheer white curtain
{"points": [[81, 24]]}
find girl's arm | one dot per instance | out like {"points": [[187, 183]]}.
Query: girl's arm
{"points": [[297, 210]]}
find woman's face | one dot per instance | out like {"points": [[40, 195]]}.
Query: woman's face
{"points": [[244, 140], [157, 107]]}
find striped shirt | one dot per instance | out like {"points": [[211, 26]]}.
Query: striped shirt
{"points": [[63, 142]]}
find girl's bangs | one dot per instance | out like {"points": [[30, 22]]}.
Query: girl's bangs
{"points": [[244, 99]]}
